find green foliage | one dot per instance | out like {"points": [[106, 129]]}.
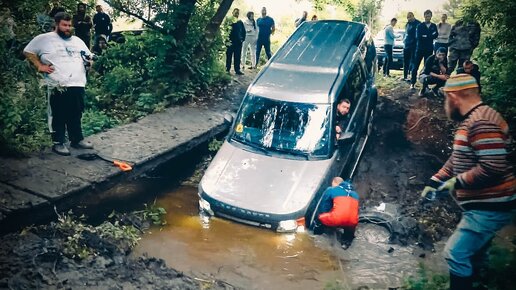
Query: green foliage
{"points": [[335, 285], [76, 231], [144, 75], [153, 213], [426, 280], [95, 121], [215, 145], [502, 265], [495, 54]]}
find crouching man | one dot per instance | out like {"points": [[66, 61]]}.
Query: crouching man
{"points": [[338, 210]]}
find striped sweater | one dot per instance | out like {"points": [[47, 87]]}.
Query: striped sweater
{"points": [[485, 178]]}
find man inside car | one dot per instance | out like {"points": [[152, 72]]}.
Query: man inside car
{"points": [[342, 116]]}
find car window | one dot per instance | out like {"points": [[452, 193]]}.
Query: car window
{"points": [[286, 127], [355, 84]]}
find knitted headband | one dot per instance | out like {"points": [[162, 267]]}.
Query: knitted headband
{"points": [[460, 82]]}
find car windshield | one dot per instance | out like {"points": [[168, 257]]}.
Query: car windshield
{"points": [[285, 127]]}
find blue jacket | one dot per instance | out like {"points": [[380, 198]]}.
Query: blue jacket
{"points": [[410, 34], [343, 189], [425, 37]]}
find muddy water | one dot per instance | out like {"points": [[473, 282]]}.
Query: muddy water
{"points": [[254, 258]]}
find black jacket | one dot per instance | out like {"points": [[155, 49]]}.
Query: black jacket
{"points": [[410, 34], [432, 65], [237, 34], [425, 37], [102, 23]]}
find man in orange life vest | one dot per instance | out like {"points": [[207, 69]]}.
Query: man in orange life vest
{"points": [[338, 209]]}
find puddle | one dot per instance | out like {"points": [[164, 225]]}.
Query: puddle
{"points": [[254, 258]]}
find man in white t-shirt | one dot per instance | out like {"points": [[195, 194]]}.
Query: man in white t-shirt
{"points": [[59, 56]]}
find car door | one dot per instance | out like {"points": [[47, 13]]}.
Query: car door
{"points": [[358, 92]]}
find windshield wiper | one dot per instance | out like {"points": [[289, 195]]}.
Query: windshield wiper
{"points": [[290, 152], [252, 145]]}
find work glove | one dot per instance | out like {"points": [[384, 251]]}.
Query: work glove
{"points": [[449, 185], [426, 190]]}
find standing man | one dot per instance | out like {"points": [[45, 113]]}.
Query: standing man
{"points": [[236, 35], [464, 38], [410, 44], [82, 24], [300, 21], [57, 55], [266, 28], [101, 23], [426, 32], [444, 30], [434, 72], [479, 176], [389, 38], [251, 34]]}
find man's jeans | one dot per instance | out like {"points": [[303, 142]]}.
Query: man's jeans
{"points": [[466, 248]]}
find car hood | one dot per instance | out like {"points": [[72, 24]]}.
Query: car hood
{"points": [[261, 183]]}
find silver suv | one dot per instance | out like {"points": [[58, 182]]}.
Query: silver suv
{"points": [[282, 151]]}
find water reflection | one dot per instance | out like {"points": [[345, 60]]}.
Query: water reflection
{"points": [[255, 258]]}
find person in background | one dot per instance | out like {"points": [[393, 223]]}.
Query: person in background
{"points": [[434, 72], [101, 45], [472, 69], [251, 35], [58, 55], [314, 18], [82, 24], [300, 21], [338, 210], [235, 38], [389, 38], [266, 28], [101, 23], [426, 32], [464, 38], [478, 175], [444, 30], [409, 44]]}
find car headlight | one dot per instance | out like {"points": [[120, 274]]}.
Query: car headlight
{"points": [[287, 226]]}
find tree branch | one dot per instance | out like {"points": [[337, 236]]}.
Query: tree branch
{"points": [[151, 24]]}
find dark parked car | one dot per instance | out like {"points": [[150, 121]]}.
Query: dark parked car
{"points": [[281, 152], [397, 49]]}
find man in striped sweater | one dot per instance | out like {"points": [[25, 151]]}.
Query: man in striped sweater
{"points": [[480, 177]]}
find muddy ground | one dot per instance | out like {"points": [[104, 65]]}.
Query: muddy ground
{"points": [[410, 142]]}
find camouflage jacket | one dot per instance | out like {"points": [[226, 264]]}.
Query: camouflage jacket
{"points": [[464, 35]]}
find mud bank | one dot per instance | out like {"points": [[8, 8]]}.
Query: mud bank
{"points": [[410, 142], [45, 257]]}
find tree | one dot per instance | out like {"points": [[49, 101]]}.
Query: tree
{"points": [[495, 53]]}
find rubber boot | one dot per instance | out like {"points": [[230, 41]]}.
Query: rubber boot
{"points": [[460, 283]]}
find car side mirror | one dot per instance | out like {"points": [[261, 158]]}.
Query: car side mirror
{"points": [[228, 119], [346, 138]]}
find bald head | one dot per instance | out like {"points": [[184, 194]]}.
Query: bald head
{"points": [[336, 181]]}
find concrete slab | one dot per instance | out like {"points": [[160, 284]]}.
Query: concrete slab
{"points": [[12, 199]]}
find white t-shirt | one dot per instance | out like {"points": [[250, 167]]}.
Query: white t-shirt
{"points": [[64, 55]]}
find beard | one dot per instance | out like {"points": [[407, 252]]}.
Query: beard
{"points": [[63, 34], [453, 113]]}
